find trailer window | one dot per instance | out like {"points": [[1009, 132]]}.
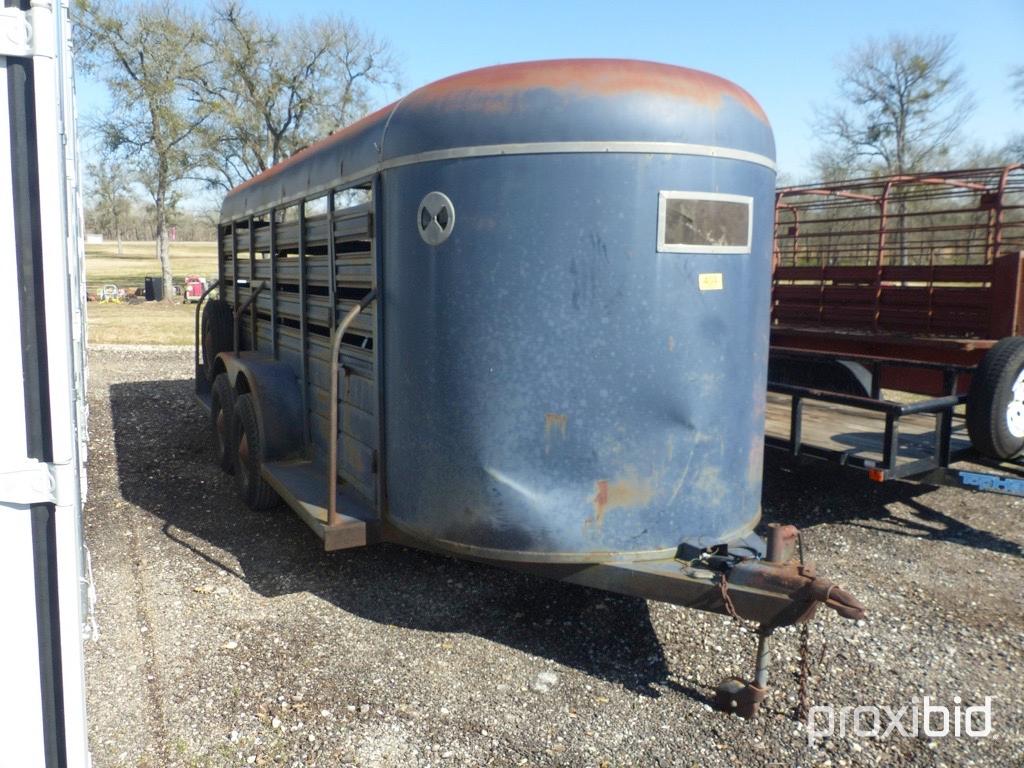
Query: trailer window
{"points": [[704, 222]]}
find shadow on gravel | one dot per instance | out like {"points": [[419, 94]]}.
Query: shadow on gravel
{"points": [[815, 492], [166, 467]]}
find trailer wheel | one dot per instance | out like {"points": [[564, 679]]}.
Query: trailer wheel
{"points": [[222, 409], [995, 402], [217, 333], [254, 490]]}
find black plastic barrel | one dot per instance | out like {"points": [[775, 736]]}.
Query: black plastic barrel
{"points": [[154, 289]]}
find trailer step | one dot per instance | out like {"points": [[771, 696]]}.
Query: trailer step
{"points": [[303, 486]]}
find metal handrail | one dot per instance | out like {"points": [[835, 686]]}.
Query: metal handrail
{"points": [[239, 311], [199, 307], [332, 468], [932, 405]]}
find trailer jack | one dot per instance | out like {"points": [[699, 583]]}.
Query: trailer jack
{"points": [[779, 571]]}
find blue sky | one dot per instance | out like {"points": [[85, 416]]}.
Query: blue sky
{"points": [[783, 52]]}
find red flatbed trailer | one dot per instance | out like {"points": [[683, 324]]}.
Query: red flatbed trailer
{"points": [[911, 283]]}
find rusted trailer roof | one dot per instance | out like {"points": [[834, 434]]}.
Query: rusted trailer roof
{"points": [[547, 105]]}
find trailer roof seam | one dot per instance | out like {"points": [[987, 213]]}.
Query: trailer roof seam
{"points": [[527, 148]]}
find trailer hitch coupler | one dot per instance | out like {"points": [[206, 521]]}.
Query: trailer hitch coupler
{"points": [[836, 598]]}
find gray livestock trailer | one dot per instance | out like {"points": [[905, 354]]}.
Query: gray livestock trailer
{"points": [[519, 316]]}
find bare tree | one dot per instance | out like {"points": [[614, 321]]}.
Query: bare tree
{"points": [[1014, 149], [145, 53], [110, 196], [902, 102], [274, 87]]}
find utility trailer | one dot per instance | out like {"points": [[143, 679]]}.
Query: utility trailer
{"points": [[47, 592], [897, 313], [496, 320]]}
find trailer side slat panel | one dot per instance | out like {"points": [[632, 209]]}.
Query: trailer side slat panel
{"points": [[294, 316], [347, 225]]}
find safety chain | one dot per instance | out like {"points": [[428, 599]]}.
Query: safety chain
{"points": [[723, 587], [803, 705]]}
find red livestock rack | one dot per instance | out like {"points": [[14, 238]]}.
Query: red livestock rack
{"points": [[912, 283]]}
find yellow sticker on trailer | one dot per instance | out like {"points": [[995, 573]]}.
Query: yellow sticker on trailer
{"points": [[709, 281]]}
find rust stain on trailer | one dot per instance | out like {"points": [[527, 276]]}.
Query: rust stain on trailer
{"points": [[554, 423], [592, 77], [624, 493], [494, 87]]}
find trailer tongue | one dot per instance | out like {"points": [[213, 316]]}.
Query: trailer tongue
{"points": [[774, 591]]}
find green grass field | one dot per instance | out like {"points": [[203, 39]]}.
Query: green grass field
{"points": [[152, 322]]}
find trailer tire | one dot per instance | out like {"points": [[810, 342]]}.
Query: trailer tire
{"points": [[995, 402], [254, 490], [217, 333], [222, 416]]}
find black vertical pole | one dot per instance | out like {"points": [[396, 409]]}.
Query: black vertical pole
{"points": [[332, 276], [377, 259], [796, 421], [303, 330], [273, 281], [28, 255], [234, 279], [252, 283]]}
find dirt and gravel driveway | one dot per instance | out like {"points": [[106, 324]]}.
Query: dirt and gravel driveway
{"points": [[228, 638]]}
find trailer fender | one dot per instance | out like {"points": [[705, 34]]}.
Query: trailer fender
{"points": [[277, 397], [860, 374], [842, 376]]}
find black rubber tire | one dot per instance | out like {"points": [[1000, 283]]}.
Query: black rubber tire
{"points": [[222, 417], [254, 490], [216, 333], [990, 396]]}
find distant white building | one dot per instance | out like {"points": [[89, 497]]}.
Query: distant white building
{"points": [[93, 238]]}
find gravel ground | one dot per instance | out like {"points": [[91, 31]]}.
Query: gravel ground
{"points": [[229, 638]]}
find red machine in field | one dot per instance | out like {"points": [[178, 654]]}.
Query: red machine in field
{"points": [[195, 287], [904, 283]]}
